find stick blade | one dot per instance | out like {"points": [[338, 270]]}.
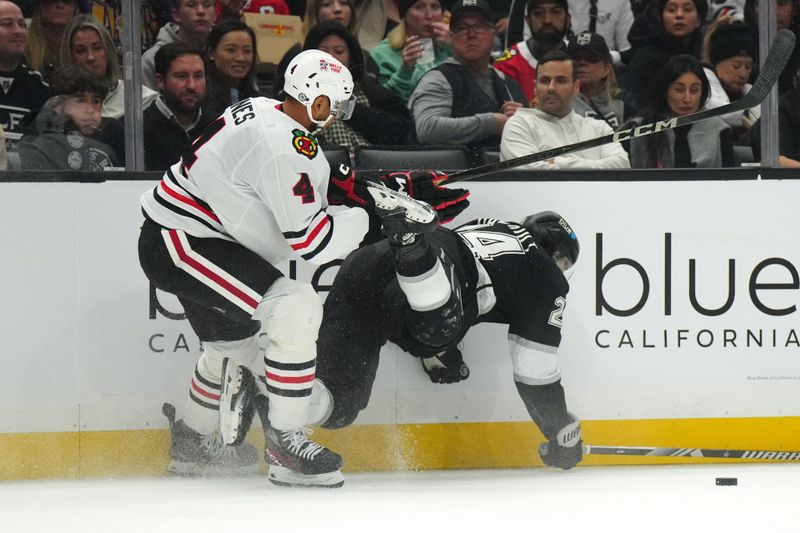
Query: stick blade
{"points": [[777, 59]]}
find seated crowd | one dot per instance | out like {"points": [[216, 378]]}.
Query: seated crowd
{"points": [[496, 77]]}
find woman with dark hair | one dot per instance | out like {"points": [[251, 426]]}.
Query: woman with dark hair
{"points": [[681, 88], [380, 115], [666, 28], [319, 11], [231, 54]]}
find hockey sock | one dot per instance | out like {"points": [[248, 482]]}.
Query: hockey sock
{"points": [[422, 277]]}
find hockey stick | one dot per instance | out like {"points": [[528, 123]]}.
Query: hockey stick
{"points": [[776, 60], [647, 451]]}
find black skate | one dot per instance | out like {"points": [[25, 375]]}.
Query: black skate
{"points": [[295, 461], [403, 217], [195, 454], [236, 405]]}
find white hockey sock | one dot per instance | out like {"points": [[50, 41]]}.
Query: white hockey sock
{"points": [[201, 411]]}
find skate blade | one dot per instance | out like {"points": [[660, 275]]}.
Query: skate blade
{"points": [[280, 475], [229, 418]]}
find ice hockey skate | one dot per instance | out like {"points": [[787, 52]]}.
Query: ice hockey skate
{"points": [[403, 218], [236, 405], [293, 459], [195, 454]]}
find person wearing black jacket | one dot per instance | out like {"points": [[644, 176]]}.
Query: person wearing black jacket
{"points": [[666, 28], [380, 115], [176, 118]]}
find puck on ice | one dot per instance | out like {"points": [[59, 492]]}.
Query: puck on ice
{"points": [[727, 481]]}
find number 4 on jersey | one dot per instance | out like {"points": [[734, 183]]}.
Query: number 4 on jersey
{"points": [[304, 189]]}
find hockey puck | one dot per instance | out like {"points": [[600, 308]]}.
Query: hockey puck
{"points": [[727, 481]]}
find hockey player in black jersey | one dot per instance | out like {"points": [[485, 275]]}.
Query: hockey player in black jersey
{"points": [[253, 190], [424, 292]]}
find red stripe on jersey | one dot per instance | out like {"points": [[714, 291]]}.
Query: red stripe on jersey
{"points": [[186, 258], [288, 379], [188, 201], [312, 235], [202, 392]]}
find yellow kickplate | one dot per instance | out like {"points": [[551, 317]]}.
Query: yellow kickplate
{"points": [[398, 447]]}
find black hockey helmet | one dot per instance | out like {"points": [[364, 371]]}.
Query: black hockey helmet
{"points": [[555, 236]]}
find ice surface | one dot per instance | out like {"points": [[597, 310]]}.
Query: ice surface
{"points": [[638, 499]]}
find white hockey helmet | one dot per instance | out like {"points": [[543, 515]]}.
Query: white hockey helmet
{"points": [[314, 73]]}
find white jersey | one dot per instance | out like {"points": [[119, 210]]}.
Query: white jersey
{"points": [[258, 178]]}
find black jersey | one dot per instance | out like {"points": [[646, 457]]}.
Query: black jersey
{"points": [[22, 95], [518, 284]]}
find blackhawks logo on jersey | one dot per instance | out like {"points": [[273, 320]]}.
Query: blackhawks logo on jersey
{"points": [[506, 54], [305, 144]]}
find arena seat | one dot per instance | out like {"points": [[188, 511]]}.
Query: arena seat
{"points": [[438, 157], [487, 156]]}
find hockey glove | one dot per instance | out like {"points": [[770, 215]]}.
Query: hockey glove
{"points": [[448, 367], [565, 450], [425, 185]]}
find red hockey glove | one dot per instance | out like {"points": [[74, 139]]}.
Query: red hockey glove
{"points": [[424, 185], [345, 189]]}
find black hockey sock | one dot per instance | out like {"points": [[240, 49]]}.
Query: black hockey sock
{"points": [[415, 259], [546, 405]]}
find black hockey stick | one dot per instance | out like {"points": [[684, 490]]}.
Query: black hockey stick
{"points": [[778, 56], [647, 451]]}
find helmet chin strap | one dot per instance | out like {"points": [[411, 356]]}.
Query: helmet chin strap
{"points": [[320, 124]]}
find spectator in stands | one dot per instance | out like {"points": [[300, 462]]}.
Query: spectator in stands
{"points": [[612, 19], [501, 9], [176, 118], [88, 43], [318, 11], [599, 96], [376, 19], [231, 53], [192, 22], [666, 28], [71, 134], [681, 88], [731, 51], [555, 124], [50, 19], [380, 115], [22, 90], [420, 42], [786, 18], [549, 22], [464, 100]]}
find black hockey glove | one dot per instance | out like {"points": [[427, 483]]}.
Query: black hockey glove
{"points": [[425, 185], [565, 450], [448, 367]]}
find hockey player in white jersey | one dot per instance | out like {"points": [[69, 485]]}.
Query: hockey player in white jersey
{"points": [[252, 191]]}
